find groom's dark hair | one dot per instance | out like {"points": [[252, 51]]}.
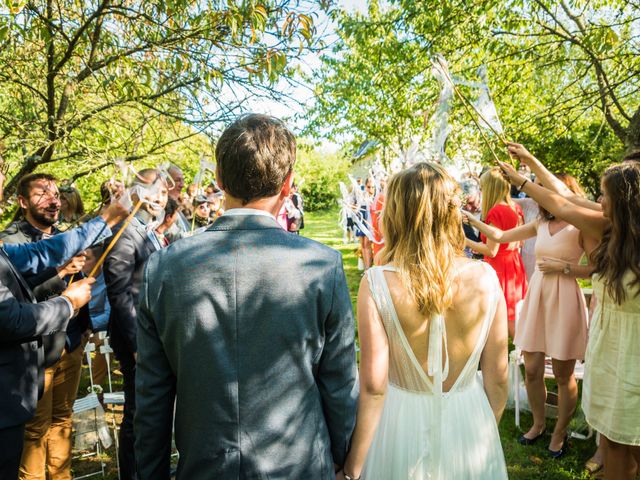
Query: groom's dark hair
{"points": [[254, 155]]}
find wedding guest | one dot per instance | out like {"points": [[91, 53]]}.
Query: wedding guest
{"points": [[363, 213], [71, 206], [499, 210], [23, 322], [376, 217], [123, 269], [181, 224], [47, 442], [247, 350], [426, 319], [171, 214], [472, 204], [553, 320], [610, 395]]}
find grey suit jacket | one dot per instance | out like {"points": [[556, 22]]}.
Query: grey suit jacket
{"points": [[249, 329], [123, 270]]}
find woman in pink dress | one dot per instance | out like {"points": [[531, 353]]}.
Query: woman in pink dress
{"points": [[500, 211], [553, 319]]}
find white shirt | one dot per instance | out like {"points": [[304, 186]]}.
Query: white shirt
{"points": [[247, 211]]}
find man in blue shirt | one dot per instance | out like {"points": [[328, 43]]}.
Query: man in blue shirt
{"points": [[23, 322]]}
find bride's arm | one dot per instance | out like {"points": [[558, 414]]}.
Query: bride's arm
{"points": [[374, 367], [494, 361]]}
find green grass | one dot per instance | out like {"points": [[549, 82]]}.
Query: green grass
{"points": [[523, 463]]}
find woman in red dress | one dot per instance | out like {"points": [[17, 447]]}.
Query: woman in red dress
{"points": [[500, 211]]}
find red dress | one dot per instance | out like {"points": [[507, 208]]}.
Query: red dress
{"points": [[508, 263], [376, 219]]}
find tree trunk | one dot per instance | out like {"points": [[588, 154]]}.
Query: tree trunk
{"points": [[632, 142]]}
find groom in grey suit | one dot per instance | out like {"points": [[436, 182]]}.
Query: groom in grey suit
{"points": [[249, 331]]}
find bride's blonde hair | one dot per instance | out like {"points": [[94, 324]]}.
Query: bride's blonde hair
{"points": [[422, 228]]}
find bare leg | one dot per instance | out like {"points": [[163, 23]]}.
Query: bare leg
{"points": [[597, 460], [620, 460], [567, 399], [511, 326], [536, 390]]}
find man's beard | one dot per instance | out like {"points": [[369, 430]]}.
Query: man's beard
{"points": [[44, 217]]}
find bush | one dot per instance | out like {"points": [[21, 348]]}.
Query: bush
{"points": [[318, 175]]}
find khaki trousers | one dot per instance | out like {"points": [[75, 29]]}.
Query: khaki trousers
{"points": [[47, 436]]}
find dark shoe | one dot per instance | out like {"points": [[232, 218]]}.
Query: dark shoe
{"points": [[563, 449], [530, 441]]}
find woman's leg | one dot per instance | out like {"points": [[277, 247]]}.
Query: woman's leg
{"points": [[567, 399], [536, 391], [620, 460]]}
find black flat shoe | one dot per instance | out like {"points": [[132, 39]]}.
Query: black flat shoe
{"points": [[530, 441], [563, 449]]}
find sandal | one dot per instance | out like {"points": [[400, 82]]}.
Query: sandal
{"points": [[592, 466]]}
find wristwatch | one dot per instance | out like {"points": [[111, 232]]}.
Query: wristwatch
{"points": [[567, 269]]}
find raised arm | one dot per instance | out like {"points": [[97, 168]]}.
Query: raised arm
{"points": [[374, 367], [497, 235], [548, 179], [590, 222], [30, 258]]}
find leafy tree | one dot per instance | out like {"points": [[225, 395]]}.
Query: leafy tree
{"points": [[84, 81], [562, 73], [317, 174]]}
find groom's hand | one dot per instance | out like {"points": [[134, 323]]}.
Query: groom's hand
{"points": [[339, 475]]}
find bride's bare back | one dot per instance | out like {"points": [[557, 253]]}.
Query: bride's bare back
{"points": [[473, 300]]}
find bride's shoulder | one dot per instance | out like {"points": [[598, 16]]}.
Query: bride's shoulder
{"points": [[475, 272]]}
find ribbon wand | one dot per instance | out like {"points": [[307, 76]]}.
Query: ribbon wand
{"points": [[115, 238]]}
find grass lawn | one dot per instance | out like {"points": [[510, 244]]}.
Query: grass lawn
{"points": [[522, 462]]}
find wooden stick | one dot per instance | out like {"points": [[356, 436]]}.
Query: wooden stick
{"points": [[115, 238]]}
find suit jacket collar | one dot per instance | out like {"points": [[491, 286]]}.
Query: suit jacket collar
{"points": [[244, 222], [22, 284]]}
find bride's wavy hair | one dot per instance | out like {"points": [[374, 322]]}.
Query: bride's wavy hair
{"points": [[619, 249], [422, 228]]}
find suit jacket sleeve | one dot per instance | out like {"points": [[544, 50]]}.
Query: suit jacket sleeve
{"points": [[21, 322], [30, 258], [155, 392], [337, 375], [119, 268]]}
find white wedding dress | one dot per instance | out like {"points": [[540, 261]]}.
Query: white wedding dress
{"points": [[425, 433]]}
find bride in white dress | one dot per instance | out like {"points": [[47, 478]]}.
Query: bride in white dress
{"points": [[426, 320]]}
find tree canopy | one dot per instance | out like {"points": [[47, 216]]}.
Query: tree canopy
{"points": [[565, 75], [83, 82]]}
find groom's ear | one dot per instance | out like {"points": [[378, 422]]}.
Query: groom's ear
{"points": [[286, 186]]}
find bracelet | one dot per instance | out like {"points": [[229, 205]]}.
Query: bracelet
{"points": [[523, 184], [349, 477]]}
